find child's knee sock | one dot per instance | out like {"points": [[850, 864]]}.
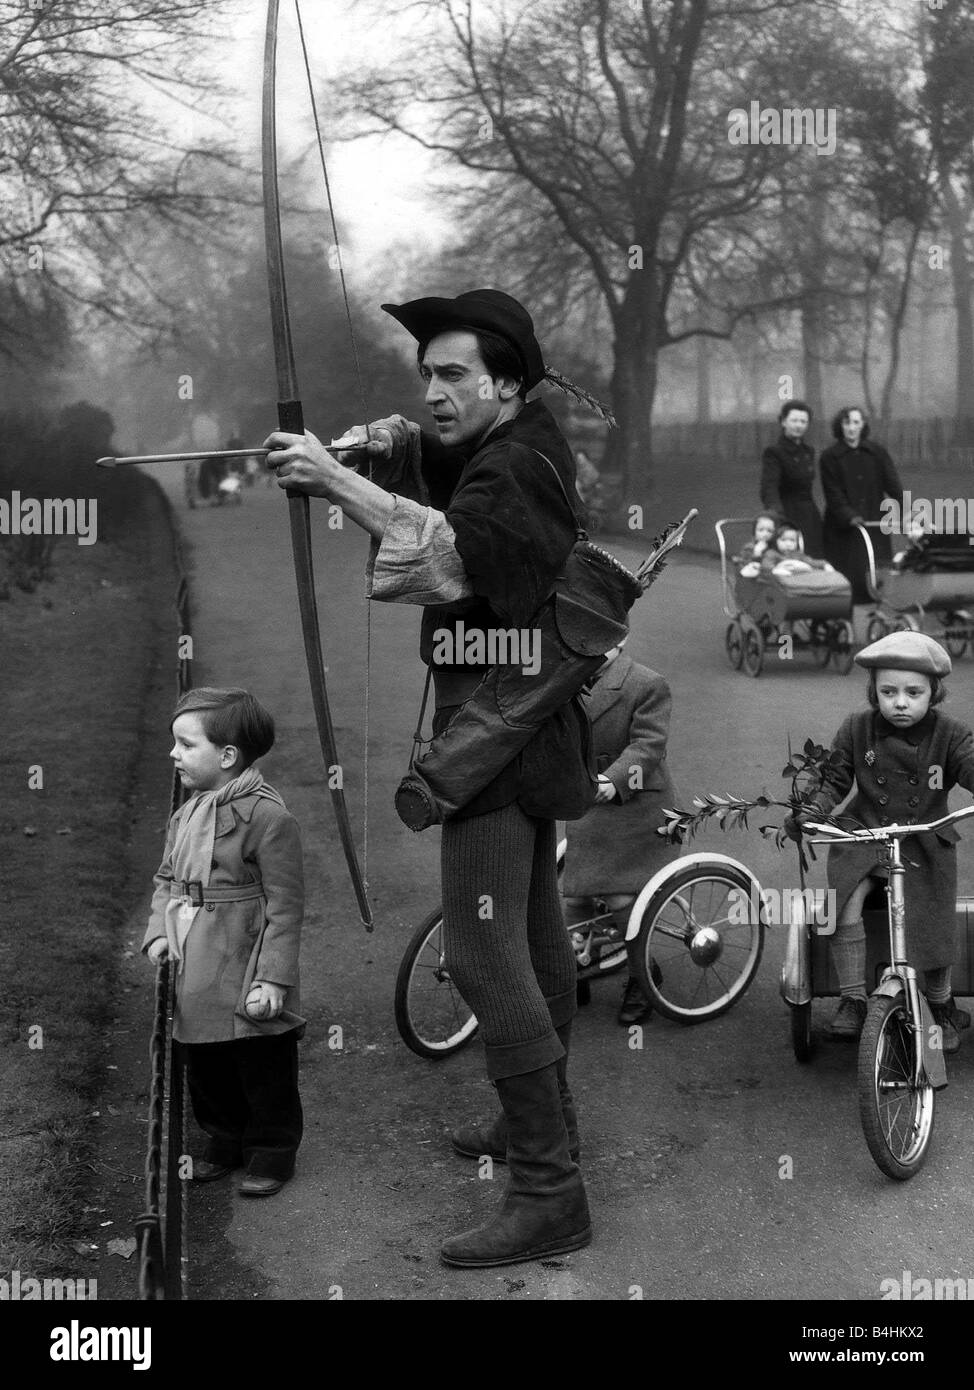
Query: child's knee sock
{"points": [[937, 986], [848, 950]]}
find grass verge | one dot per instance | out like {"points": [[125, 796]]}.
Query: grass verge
{"points": [[77, 659]]}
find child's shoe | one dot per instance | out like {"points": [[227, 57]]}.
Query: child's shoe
{"points": [[204, 1171], [960, 1018], [635, 1006], [252, 1186], [943, 1014], [847, 1021]]}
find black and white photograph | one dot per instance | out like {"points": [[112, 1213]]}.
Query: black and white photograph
{"points": [[487, 665]]}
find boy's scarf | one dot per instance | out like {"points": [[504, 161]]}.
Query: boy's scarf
{"points": [[192, 852]]}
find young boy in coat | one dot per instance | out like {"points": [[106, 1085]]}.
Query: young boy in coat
{"points": [[227, 912], [614, 850]]}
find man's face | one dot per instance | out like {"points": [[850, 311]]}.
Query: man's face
{"points": [[464, 400]]}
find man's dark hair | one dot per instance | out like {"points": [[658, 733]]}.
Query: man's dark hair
{"points": [[230, 716], [839, 419], [793, 405], [499, 356]]}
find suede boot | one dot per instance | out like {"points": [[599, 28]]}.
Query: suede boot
{"points": [[476, 1141], [544, 1211]]}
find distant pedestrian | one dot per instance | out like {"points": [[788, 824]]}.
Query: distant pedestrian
{"points": [[857, 474], [788, 476]]}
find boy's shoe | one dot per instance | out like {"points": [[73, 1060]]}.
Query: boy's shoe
{"points": [[252, 1186], [848, 1019], [942, 1014], [204, 1171], [960, 1018]]}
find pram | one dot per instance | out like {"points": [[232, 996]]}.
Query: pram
{"points": [[811, 610], [931, 590]]}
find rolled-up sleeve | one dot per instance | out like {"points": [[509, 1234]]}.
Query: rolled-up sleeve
{"points": [[416, 560]]}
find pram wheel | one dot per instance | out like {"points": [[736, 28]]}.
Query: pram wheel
{"points": [[753, 650], [905, 622], [819, 643], [955, 640], [843, 637], [878, 627], [734, 644]]}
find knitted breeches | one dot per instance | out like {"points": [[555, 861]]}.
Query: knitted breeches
{"points": [[504, 935]]}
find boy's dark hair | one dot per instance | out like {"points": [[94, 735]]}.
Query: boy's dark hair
{"points": [[840, 417], [230, 715], [499, 356], [938, 690], [793, 405]]}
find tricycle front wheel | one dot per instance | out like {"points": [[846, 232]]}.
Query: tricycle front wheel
{"points": [[897, 1113]]}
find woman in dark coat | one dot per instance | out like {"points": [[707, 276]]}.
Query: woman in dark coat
{"points": [[787, 476], [857, 474]]}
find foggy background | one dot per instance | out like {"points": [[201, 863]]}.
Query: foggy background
{"points": [[575, 154]]}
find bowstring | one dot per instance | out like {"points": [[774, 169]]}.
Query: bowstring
{"points": [[366, 415]]}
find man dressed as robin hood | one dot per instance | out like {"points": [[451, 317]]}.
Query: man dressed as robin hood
{"points": [[477, 522]]}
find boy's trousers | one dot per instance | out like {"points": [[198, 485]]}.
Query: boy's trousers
{"points": [[245, 1098]]}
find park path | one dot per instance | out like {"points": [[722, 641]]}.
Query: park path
{"points": [[684, 1141]]}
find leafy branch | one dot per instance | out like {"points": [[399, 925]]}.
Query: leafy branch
{"points": [[807, 771]]}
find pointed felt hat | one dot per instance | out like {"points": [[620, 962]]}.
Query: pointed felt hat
{"points": [[490, 310]]}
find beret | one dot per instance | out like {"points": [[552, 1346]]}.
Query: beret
{"points": [[906, 651], [491, 310]]}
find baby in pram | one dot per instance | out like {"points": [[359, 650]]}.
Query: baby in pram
{"points": [[775, 550]]}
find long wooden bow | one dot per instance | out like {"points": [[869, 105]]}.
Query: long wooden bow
{"points": [[290, 417]]}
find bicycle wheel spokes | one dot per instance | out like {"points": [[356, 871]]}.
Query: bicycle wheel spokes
{"points": [[705, 940], [897, 1111], [431, 1014]]}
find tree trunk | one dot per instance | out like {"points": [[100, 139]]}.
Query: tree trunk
{"points": [[960, 269], [704, 406], [812, 392], [634, 378], [812, 310]]}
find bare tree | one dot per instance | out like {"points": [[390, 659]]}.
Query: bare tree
{"points": [[86, 168], [596, 137]]}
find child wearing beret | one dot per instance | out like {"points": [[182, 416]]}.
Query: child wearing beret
{"points": [[227, 912], [903, 755]]}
